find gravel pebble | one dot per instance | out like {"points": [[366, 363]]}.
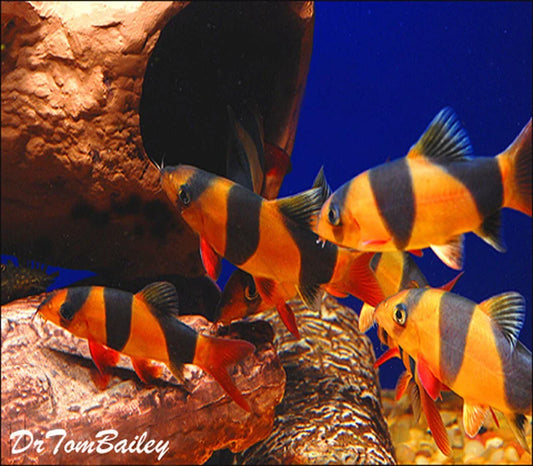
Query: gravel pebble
{"points": [[414, 443]]}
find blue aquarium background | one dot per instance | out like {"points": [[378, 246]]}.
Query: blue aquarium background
{"points": [[380, 72]]}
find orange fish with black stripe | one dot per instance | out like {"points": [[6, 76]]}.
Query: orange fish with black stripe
{"points": [[145, 327], [395, 271], [432, 197], [251, 162], [270, 239], [471, 349]]}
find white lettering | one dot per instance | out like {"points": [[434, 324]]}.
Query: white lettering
{"points": [[55, 433], [20, 434], [110, 434], [23, 440]]}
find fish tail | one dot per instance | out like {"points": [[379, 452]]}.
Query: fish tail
{"points": [[215, 354], [515, 163]]}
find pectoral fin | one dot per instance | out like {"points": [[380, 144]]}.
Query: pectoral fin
{"points": [[389, 354], [403, 383], [211, 260], [435, 424], [430, 383]]}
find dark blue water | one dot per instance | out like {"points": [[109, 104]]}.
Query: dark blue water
{"points": [[379, 73]]}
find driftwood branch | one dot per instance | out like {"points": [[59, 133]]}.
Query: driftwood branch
{"points": [[46, 385], [332, 411]]}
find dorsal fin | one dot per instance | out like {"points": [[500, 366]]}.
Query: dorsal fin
{"points": [[162, 296], [444, 140], [302, 207], [320, 181], [507, 310]]}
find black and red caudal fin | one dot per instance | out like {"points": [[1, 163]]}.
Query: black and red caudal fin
{"points": [[215, 354], [515, 163], [361, 282]]}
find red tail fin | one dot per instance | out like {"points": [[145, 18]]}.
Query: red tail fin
{"points": [[215, 354], [515, 163], [361, 282]]}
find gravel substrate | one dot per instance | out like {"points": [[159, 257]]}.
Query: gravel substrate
{"points": [[414, 443]]}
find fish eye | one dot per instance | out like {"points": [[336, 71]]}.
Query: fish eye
{"points": [[250, 292], [184, 195], [334, 216], [400, 314], [67, 311]]}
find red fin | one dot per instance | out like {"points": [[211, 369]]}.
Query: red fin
{"points": [[146, 369], [389, 354], [376, 242], [335, 291], [430, 383], [417, 252], [210, 259], [215, 354], [448, 286], [517, 182], [100, 380], [104, 358], [495, 418], [436, 426], [287, 316], [403, 383], [361, 281]]}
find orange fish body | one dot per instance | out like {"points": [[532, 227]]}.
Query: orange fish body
{"points": [[395, 271], [465, 347], [271, 240], [431, 197], [143, 326]]}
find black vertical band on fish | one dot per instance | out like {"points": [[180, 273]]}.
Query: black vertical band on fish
{"points": [[197, 184], [118, 310], [75, 300], [488, 194], [392, 185], [180, 338], [242, 227], [317, 262], [458, 310]]}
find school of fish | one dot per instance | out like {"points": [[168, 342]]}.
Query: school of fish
{"points": [[354, 241], [290, 247]]}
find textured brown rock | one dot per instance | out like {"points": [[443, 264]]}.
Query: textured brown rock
{"points": [[77, 188], [331, 412], [46, 385]]}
